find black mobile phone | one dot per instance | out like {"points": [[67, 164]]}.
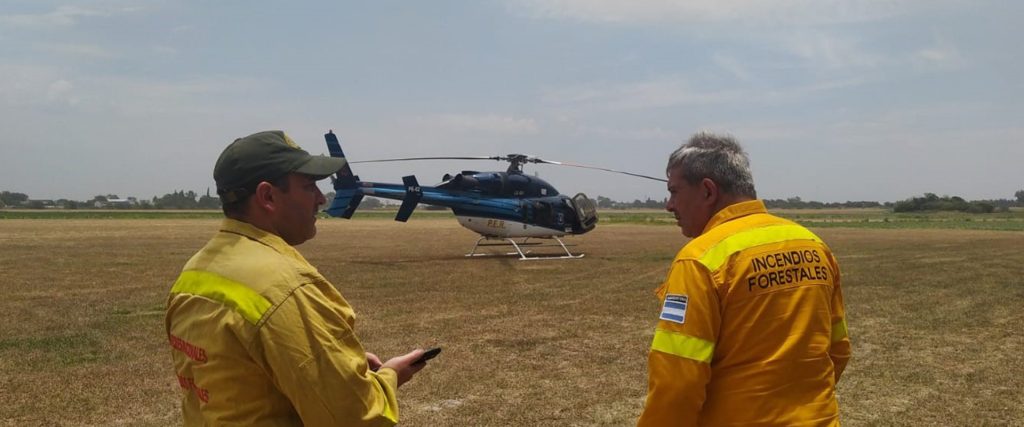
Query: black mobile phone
{"points": [[427, 355]]}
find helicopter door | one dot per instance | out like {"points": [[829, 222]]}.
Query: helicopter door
{"points": [[545, 215], [585, 211]]}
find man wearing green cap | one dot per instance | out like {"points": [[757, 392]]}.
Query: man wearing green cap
{"points": [[258, 336]]}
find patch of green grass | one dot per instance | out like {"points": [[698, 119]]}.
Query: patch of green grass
{"points": [[628, 217], [68, 349]]}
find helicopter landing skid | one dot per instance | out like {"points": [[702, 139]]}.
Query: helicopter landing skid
{"points": [[519, 250]]}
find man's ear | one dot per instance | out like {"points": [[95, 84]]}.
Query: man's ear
{"points": [[264, 196], [709, 191]]}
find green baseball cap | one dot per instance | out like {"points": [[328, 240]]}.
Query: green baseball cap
{"points": [[266, 156]]}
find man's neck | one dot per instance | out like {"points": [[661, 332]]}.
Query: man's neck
{"points": [[258, 221]]}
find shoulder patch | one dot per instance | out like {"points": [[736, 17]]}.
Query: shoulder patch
{"points": [[674, 309]]}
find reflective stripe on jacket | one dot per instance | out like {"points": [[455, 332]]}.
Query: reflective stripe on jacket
{"points": [[259, 337], [752, 329]]}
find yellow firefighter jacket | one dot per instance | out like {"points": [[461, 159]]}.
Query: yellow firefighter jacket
{"points": [[752, 329], [260, 338]]}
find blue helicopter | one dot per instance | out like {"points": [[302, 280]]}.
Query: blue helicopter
{"points": [[502, 206]]}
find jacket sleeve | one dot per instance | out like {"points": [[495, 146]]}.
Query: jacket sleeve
{"points": [[840, 349], [679, 362], [316, 360]]}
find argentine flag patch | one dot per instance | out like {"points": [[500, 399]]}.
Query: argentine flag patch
{"points": [[674, 309]]}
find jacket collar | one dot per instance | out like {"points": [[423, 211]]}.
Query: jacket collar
{"points": [[271, 240], [734, 211]]}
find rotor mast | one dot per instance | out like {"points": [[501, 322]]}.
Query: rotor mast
{"points": [[515, 162]]}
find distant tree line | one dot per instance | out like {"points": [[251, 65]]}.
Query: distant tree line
{"points": [[607, 203], [8, 198], [186, 200], [797, 203], [932, 202], [929, 202], [181, 199]]}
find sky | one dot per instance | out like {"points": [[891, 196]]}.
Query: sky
{"points": [[833, 100]]}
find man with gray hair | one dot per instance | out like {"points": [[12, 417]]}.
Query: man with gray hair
{"points": [[752, 328]]}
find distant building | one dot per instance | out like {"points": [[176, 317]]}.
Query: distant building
{"points": [[129, 202]]}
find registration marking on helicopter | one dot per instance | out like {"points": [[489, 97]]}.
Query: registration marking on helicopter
{"points": [[506, 228]]}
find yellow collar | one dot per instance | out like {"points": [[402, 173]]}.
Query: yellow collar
{"points": [[271, 240], [734, 211]]}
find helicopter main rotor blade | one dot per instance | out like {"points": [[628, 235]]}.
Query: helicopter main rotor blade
{"points": [[425, 158], [511, 158], [552, 162]]}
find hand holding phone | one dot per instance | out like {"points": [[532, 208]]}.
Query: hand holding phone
{"points": [[427, 355]]}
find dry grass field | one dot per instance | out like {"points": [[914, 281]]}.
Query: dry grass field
{"points": [[935, 317]]}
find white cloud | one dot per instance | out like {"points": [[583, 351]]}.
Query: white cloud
{"points": [[61, 91], [31, 86], [25, 85], [939, 55], [659, 93], [632, 134], [165, 50], [796, 93], [81, 50], [820, 49], [807, 12], [481, 123], [732, 65], [572, 102], [62, 16], [131, 96]]}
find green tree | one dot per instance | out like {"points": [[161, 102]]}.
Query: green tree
{"points": [[12, 199], [1020, 197], [932, 202], [177, 200], [208, 202]]}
